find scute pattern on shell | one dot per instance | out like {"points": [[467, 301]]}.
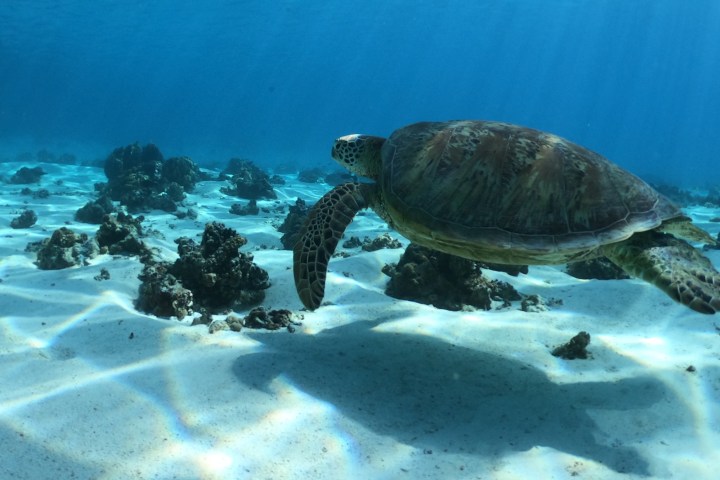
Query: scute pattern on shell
{"points": [[505, 186]]}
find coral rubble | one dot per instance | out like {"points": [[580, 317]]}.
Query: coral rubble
{"points": [[94, 211]]}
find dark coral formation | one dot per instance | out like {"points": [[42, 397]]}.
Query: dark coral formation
{"points": [[277, 180], [444, 281], [162, 294], [575, 348], [27, 175], [250, 209], [236, 166], [124, 161], [25, 220], [103, 275], [140, 178], [93, 212], [597, 268], [181, 171], [189, 213], [64, 249], [120, 235], [292, 224], [247, 181], [213, 275], [217, 273], [352, 242]]}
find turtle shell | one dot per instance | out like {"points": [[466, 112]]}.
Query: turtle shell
{"points": [[505, 193]]}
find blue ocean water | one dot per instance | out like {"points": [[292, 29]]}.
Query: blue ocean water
{"points": [[276, 81]]}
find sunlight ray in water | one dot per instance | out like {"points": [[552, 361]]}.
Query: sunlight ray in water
{"points": [[96, 304]]}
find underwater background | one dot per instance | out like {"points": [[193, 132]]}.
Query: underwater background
{"points": [[277, 81], [127, 345]]}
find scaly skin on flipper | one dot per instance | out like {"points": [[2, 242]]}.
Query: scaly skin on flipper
{"points": [[322, 231], [672, 265]]}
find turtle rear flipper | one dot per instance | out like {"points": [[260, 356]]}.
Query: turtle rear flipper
{"points": [[320, 235], [684, 228], [672, 265]]}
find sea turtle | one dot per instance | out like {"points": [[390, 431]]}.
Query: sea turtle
{"points": [[507, 194]]}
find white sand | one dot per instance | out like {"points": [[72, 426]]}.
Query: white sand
{"points": [[370, 387]]}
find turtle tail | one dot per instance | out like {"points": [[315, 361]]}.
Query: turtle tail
{"points": [[672, 265], [319, 238]]}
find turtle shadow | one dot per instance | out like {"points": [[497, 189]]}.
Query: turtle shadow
{"points": [[430, 394], [31, 458]]}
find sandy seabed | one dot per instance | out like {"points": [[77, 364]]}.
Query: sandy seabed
{"points": [[368, 387]]}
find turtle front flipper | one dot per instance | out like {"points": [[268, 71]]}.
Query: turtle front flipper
{"points": [[320, 235], [672, 265]]}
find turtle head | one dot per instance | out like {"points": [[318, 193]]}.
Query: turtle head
{"points": [[360, 154]]}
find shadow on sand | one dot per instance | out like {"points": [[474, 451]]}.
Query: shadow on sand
{"points": [[430, 394]]}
